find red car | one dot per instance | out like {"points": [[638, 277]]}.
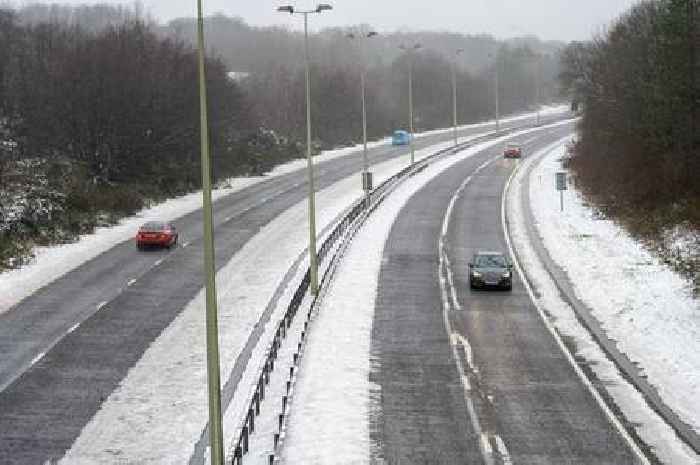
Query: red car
{"points": [[512, 151], [156, 234]]}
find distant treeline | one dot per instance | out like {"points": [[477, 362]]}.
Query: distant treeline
{"points": [[638, 156], [99, 109]]}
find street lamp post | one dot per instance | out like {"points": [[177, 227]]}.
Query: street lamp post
{"points": [[366, 175], [408, 50], [313, 265], [538, 77], [497, 96], [454, 94], [213, 375]]}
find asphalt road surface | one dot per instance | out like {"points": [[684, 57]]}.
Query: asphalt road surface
{"points": [[65, 349], [524, 402]]}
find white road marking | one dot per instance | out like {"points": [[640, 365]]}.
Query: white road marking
{"points": [[131, 282], [450, 280], [185, 244], [73, 328], [503, 450], [158, 262], [37, 358], [101, 305]]}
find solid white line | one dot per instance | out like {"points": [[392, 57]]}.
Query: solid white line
{"points": [[158, 262], [72, 328], [131, 282], [503, 450], [101, 305], [596, 395], [37, 358]]}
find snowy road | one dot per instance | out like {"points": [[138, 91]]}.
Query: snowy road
{"points": [[66, 348], [515, 397]]}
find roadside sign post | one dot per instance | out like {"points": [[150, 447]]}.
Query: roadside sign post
{"points": [[561, 187]]}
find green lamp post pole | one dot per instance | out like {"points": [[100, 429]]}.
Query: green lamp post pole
{"points": [[213, 376]]}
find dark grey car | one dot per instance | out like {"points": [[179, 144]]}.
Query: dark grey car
{"points": [[490, 269]]}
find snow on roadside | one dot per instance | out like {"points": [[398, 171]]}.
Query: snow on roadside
{"points": [[329, 420], [135, 426], [642, 304], [52, 262], [607, 262]]}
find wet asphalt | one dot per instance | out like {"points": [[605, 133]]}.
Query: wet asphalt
{"points": [[529, 405], [65, 349]]}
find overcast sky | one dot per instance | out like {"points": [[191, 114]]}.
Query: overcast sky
{"points": [[548, 19]]}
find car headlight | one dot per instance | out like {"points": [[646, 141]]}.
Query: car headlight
{"points": [[476, 274]]}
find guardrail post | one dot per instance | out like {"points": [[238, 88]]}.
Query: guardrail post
{"points": [[284, 403], [271, 459], [289, 385], [276, 440], [251, 420], [238, 456], [280, 420], [256, 399]]}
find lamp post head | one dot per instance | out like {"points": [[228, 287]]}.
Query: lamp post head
{"points": [[286, 9], [323, 7]]}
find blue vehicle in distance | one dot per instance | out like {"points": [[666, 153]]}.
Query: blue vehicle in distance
{"points": [[400, 137]]}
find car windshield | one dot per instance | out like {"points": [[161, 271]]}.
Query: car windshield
{"points": [[490, 261], [153, 227]]}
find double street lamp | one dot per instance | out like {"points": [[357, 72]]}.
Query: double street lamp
{"points": [[409, 51], [313, 265], [362, 35]]}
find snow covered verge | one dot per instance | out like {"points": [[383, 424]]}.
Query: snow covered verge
{"points": [[642, 304], [50, 263]]}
